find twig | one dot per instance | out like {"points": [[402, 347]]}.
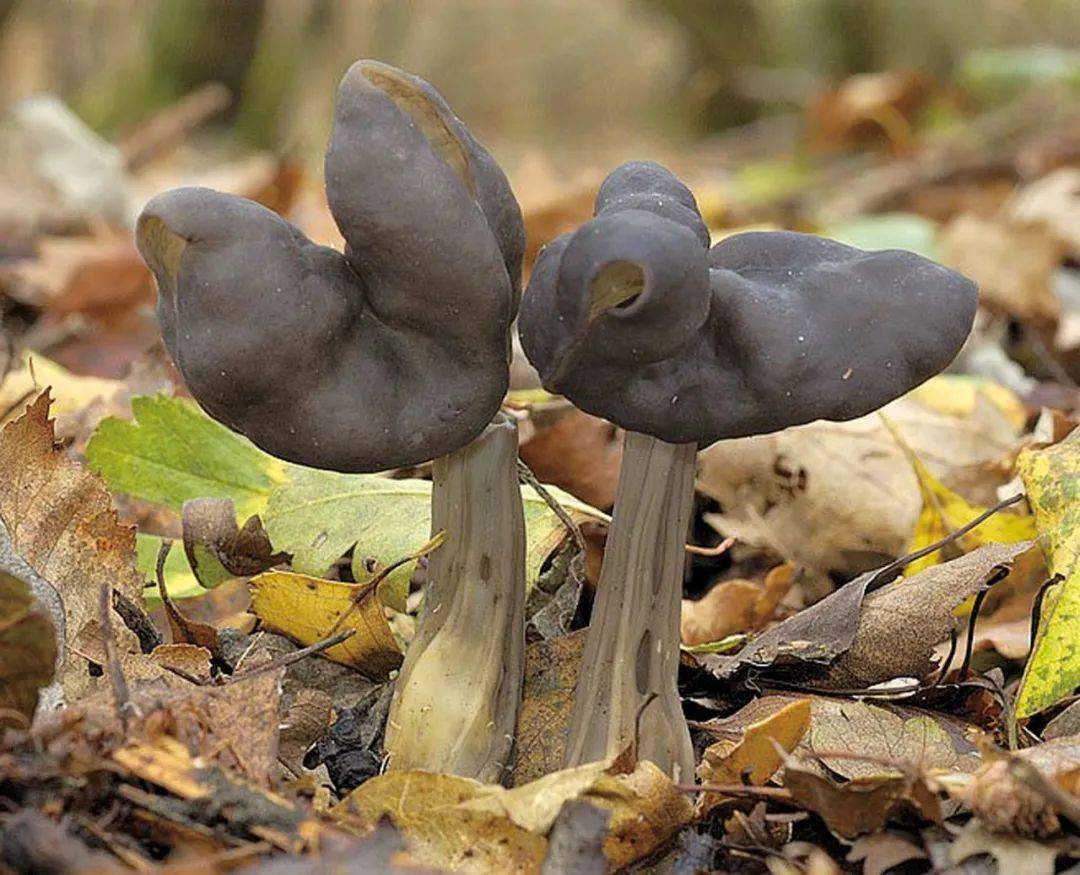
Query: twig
{"points": [[969, 645], [529, 478], [136, 620], [737, 790], [947, 663], [168, 128], [112, 660], [1037, 603], [719, 550], [289, 658], [887, 573]]}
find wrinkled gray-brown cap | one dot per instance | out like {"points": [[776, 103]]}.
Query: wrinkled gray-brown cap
{"points": [[391, 354], [634, 318]]}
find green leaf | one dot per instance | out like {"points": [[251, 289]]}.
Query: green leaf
{"points": [[179, 578], [172, 452], [888, 231], [1052, 481], [318, 515]]}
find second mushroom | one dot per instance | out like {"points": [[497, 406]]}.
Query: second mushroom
{"points": [[635, 319]]}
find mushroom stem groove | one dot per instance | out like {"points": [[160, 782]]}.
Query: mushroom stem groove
{"points": [[632, 646], [456, 699]]}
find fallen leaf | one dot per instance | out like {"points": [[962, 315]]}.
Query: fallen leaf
{"points": [[922, 741], [841, 495], [304, 722], [1006, 803], [1011, 262], [1054, 201], [578, 453], [309, 609], [427, 808], [944, 512], [458, 823], [734, 606], [217, 549], [1014, 855], [191, 659], [27, 651], [900, 624], [319, 515], [851, 638], [551, 672], [862, 805], [757, 754], [882, 851], [1052, 479], [61, 521], [172, 452]]}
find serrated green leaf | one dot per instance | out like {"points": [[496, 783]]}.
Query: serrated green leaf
{"points": [[1052, 480], [318, 515], [172, 452]]}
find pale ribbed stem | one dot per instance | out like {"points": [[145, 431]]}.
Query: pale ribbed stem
{"points": [[456, 699], [632, 646]]}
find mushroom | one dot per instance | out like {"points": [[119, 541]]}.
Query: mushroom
{"points": [[634, 318], [390, 354]]}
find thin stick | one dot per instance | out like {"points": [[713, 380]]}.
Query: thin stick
{"points": [[290, 658], [886, 573], [1036, 606], [719, 550], [112, 660], [737, 790], [529, 478]]}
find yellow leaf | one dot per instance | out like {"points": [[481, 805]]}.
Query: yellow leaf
{"points": [[756, 755], [944, 512], [959, 395], [462, 825], [309, 609], [1052, 480], [70, 392]]}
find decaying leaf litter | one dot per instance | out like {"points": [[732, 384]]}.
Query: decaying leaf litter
{"points": [[883, 650]]}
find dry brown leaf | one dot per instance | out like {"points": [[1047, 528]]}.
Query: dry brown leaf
{"points": [[551, 671], [1054, 201], [579, 453], [1012, 263], [61, 520], [307, 718], [217, 549], [189, 659], [882, 851], [1016, 856], [27, 652], [850, 639], [1004, 802], [841, 495], [734, 606]]}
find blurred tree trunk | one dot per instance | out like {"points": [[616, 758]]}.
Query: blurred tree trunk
{"points": [[723, 39]]}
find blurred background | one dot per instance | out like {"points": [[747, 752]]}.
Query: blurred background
{"points": [[947, 127]]}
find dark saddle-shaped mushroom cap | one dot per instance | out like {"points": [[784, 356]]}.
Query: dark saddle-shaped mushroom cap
{"points": [[391, 354], [635, 319]]}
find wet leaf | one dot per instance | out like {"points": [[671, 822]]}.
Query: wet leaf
{"points": [[309, 609], [27, 651], [1052, 480]]}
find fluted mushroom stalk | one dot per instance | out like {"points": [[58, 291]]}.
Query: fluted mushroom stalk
{"points": [[634, 318], [389, 354]]}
